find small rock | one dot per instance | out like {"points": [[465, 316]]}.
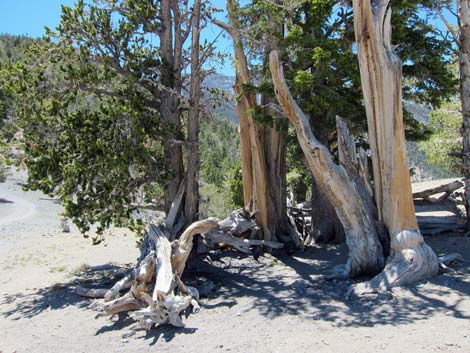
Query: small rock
{"points": [[206, 288], [301, 286]]}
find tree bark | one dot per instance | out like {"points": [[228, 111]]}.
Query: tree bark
{"points": [[346, 196], [262, 153], [191, 205], [326, 228], [169, 108], [464, 66], [411, 259]]}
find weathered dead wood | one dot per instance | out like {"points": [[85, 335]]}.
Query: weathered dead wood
{"points": [[183, 246], [448, 259], [424, 220], [445, 188], [345, 194], [157, 294], [175, 206], [164, 273], [91, 292], [214, 239], [125, 303], [411, 258], [357, 169], [123, 284]]}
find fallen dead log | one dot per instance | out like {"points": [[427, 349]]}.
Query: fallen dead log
{"points": [[447, 189], [213, 239], [157, 295], [442, 229], [439, 219]]}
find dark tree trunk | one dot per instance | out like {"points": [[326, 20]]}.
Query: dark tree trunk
{"points": [[191, 211], [169, 109], [326, 227]]}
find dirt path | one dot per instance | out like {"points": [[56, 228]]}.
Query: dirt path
{"points": [[15, 209], [266, 306]]}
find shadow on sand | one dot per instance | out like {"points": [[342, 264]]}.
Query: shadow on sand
{"points": [[273, 287]]}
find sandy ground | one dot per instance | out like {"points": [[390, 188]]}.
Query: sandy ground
{"points": [[265, 306]]}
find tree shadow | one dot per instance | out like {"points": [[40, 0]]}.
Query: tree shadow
{"points": [[167, 333], [61, 295], [3, 200], [275, 286], [275, 291]]}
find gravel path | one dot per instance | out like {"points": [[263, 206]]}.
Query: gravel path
{"points": [[24, 214]]}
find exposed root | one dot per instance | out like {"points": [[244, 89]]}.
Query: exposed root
{"points": [[125, 303], [445, 261], [413, 260], [93, 293], [122, 284], [157, 295]]}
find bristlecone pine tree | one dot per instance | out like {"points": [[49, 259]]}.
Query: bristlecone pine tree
{"points": [[411, 258], [346, 192], [262, 152]]}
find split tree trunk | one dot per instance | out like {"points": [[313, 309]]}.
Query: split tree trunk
{"points": [[411, 258], [262, 152], [345, 194], [464, 65], [191, 210]]}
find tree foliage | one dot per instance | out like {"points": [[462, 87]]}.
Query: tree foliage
{"points": [[88, 99], [446, 139], [220, 166]]}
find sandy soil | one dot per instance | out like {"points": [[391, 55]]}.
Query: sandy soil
{"points": [[265, 306]]}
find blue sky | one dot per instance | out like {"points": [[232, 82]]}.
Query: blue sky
{"points": [[29, 17]]}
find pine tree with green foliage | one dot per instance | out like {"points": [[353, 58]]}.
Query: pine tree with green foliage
{"points": [[100, 104]]}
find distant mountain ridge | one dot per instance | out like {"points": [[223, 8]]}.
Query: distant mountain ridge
{"points": [[224, 100]]}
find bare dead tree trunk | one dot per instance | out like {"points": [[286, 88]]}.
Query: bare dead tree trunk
{"points": [[464, 65], [345, 194], [192, 183], [411, 258]]}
